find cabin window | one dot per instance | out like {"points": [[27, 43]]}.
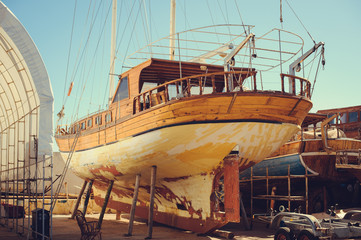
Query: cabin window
{"points": [[90, 122], [122, 91], [82, 125], [333, 121], [148, 85], [108, 117], [98, 120], [352, 116], [342, 118]]}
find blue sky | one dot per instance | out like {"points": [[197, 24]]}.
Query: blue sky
{"points": [[337, 23]]}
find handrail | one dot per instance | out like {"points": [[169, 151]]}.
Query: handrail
{"points": [[196, 85], [305, 85], [183, 86]]}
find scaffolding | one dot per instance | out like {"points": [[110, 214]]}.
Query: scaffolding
{"points": [[26, 105], [25, 178]]}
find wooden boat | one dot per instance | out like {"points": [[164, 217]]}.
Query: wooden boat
{"points": [[349, 120], [332, 161], [194, 116]]}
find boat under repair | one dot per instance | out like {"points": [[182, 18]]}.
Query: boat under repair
{"points": [[183, 118], [323, 152]]}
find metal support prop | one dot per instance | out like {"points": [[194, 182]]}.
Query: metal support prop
{"points": [[78, 200], [106, 199], [134, 204], [151, 203], [244, 215], [86, 201]]}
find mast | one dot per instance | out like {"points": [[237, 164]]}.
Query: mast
{"points": [[172, 30], [112, 52]]}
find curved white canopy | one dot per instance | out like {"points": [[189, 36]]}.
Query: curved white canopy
{"points": [[25, 87]]}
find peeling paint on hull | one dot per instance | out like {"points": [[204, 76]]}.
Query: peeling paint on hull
{"points": [[180, 150], [187, 158]]}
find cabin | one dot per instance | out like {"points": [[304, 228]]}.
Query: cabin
{"points": [[349, 120], [156, 82]]}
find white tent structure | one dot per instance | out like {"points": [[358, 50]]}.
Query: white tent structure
{"points": [[26, 118]]}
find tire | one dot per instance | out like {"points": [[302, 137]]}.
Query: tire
{"points": [[284, 233], [306, 234]]}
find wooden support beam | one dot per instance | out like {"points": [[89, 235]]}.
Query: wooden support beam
{"points": [[134, 204], [231, 188], [106, 199], [78, 200], [151, 202], [86, 201]]}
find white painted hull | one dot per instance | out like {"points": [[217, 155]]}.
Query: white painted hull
{"points": [[178, 151]]}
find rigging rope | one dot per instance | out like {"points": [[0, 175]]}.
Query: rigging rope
{"points": [[209, 9], [85, 78], [132, 31], [281, 17], [301, 23], [318, 67], [240, 16], [70, 44], [123, 34], [224, 16]]}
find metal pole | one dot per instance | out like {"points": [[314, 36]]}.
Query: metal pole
{"points": [[78, 200], [106, 199], [134, 204], [289, 189], [244, 215], [151, 203], [306, 187], [86, 201]]}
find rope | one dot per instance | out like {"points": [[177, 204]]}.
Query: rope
{"points": [[240, 16], [281, 18], [70, 44], [301, 22], [125, 34], [224, 16], [210, 13], [318, 67], [94, 56]]}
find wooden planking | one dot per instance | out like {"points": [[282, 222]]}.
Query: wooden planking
{"points": [[287, 149], [200, 108]]}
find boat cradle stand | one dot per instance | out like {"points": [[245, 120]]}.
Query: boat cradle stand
{"points": [[86, 201], [134, 202], [151, 203]]}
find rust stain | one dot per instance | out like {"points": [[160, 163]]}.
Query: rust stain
{"points": [[111, 169]]}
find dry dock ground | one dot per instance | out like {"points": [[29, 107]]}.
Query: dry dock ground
{"points": [[65, 228]]}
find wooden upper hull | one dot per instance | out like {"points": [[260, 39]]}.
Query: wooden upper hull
{"points": [[314, 156], [225, 107]]}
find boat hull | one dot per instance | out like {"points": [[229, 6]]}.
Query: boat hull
{"points": [[187, 140], [188, 159], [180, 151]]}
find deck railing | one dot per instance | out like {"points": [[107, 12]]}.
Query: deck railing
{"points": [[207, 84], [304, 85]]}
